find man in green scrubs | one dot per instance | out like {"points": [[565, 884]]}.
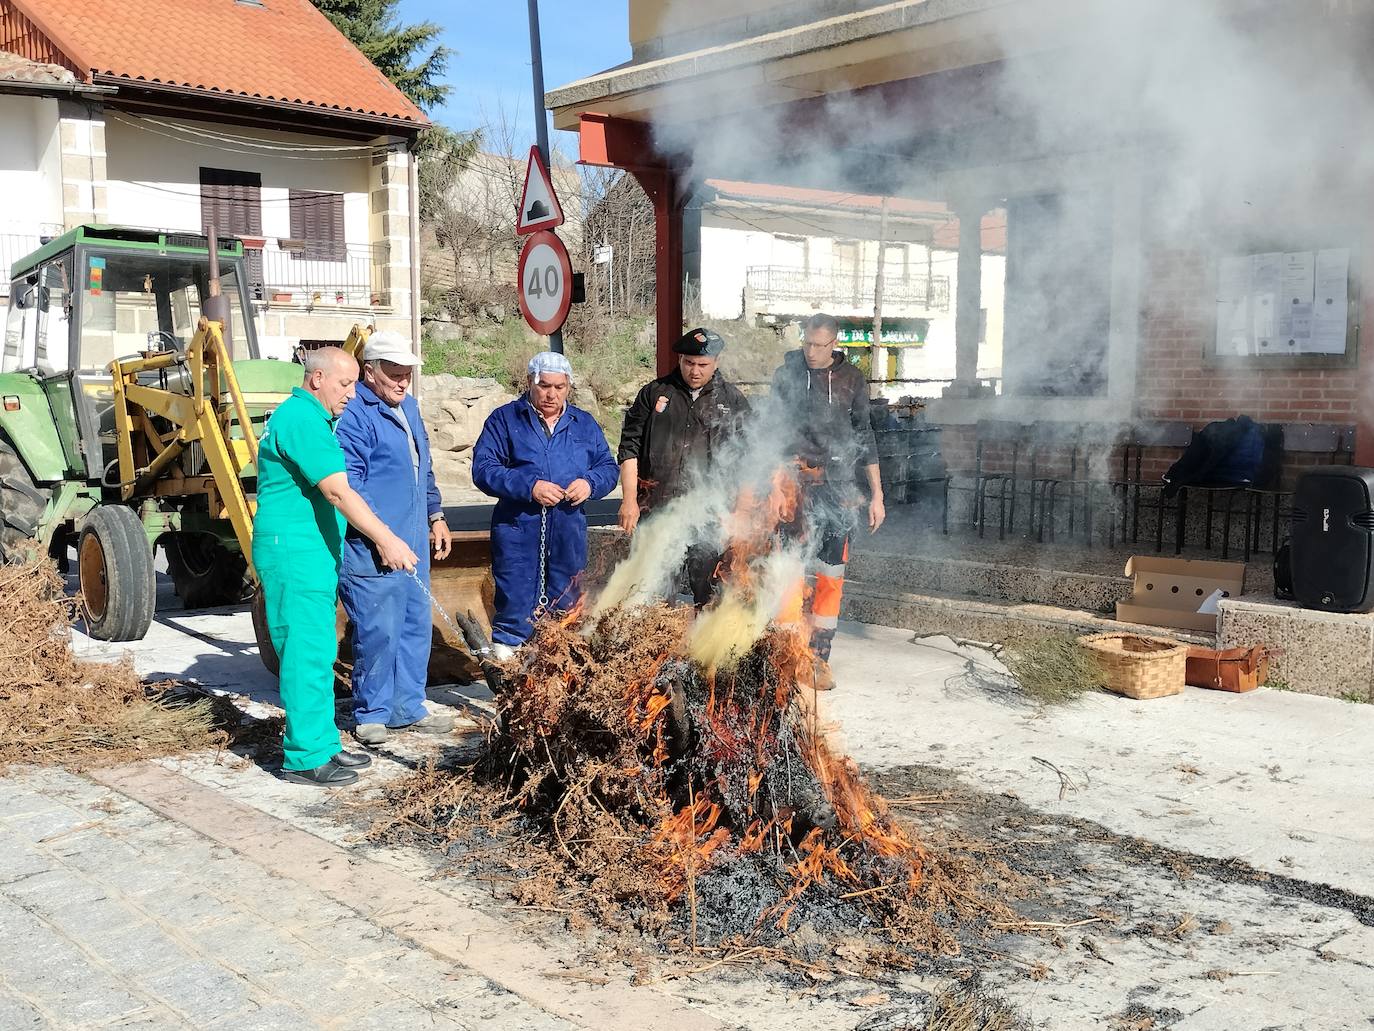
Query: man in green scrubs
{"points": [[303, 500]]}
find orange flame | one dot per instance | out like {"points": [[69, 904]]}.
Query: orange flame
{"points": [[741, 734]]}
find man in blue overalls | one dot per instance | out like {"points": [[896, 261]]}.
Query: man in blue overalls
{"points": [[541, 458], [386, 451]]}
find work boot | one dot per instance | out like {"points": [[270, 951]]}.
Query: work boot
{"points": [[330, 775], [434, 723], [352, 760], [370, 734], [824, 679]]}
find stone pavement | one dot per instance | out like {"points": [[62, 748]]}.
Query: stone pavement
{"points": [[1279, 779], [207, 893], [112, 915]]}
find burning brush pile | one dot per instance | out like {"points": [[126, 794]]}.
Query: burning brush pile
{"points": [[630, 781], [666, 771]]}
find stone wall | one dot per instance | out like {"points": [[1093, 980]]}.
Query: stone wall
{"points": [[455, 409]]}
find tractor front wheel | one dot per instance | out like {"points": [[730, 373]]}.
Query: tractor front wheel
{"points": [[205, 572], [115, 561], [21, 504]]}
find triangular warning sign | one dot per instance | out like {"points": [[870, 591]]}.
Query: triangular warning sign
{"points": [[539, 207]]}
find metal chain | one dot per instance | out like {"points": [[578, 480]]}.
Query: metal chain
{"points": [[543, 558], [435, 602]]}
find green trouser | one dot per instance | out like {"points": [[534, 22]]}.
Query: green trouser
{"points": [[300, 591]]}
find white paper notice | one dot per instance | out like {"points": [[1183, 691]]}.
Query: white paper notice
{"points": [[1266, 282], [1295, 301], [1329, 306], [1233, 307]]}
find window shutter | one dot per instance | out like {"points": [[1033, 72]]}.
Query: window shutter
{"points": [[233, 201], [318, 219]]}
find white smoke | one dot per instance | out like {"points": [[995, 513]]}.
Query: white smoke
{"points": [[705, 513], [1200, 118], [1209, 126]]}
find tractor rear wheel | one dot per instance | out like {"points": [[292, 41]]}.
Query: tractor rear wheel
{"points": [[205, 572], [21, 504], [115, 560]]}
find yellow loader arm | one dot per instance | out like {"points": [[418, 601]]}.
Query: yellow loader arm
{"points": [[357, 337], [148, 457]]}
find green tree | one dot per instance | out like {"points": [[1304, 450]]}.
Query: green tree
{"points": [[406, 54]]}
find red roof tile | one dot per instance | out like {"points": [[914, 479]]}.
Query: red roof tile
{"points": [[283, 51]]}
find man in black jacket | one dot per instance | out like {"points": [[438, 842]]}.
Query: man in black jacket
{"points": [[825, 400], [672, 432]]}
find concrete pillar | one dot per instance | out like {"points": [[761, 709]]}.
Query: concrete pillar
{"points": [[691, 260], [81, 133], [390, 224], [968, 299], [1128, 269]]}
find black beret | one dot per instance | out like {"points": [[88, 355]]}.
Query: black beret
{"points": [[701, 343]]}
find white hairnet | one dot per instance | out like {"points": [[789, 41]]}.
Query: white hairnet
{"points": [[550, 361]]}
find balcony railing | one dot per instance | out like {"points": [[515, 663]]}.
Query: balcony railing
{"points": [[351, 277], [19, 241], [779, 284]]}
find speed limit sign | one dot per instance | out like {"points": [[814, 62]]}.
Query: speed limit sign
{"points": [[545, 283]]}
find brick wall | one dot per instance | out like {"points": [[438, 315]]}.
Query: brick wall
{"points": [[1174, 383]]}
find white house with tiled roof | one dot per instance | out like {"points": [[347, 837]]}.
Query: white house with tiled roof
{"points": [[776, 254], [168, 114]]}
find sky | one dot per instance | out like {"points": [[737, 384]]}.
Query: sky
{"points": [[491, 64]]}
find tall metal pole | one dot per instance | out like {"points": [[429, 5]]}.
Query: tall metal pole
{"points": [[877, 362], [541, 123]]}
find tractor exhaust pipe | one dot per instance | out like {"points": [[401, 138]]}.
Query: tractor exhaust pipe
{"points": [[215, 307]]}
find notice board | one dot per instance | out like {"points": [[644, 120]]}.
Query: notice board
{"points": [[1283, 304]]}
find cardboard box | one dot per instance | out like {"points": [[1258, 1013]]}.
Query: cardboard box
{"points": [[1169, 591]]}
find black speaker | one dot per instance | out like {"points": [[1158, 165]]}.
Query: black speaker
{"points": [[1333, 539]]}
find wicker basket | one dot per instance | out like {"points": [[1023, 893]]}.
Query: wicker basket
{"points": [[1138, 666]]}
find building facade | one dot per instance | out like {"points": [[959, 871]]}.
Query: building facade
{"points": [[1166, 256], [773, 255], [303, 150]]}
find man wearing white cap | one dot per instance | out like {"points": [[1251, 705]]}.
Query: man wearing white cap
{"points": [[386, 450], [541, 458]]}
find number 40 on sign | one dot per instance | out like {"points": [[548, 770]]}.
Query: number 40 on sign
{"points": [[545, 282]]}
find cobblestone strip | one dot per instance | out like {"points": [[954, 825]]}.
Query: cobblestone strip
{"points": [[114, 916], [383, 897]]}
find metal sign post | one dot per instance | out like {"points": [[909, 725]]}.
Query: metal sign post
{"points": [[541, 124]]}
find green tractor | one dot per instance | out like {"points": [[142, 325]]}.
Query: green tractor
{"points": [[131, 397]]}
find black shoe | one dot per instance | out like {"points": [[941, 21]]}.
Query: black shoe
{"points": [[352, 760], [330, 775]]}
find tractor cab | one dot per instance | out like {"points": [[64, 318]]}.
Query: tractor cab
{"points": [[133, 394], [96, 294]]}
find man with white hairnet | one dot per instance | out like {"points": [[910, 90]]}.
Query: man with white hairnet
{"points": [[387, 453], [541, 458]]}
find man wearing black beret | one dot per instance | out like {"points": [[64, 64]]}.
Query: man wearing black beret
{"points": [[672, 432]]}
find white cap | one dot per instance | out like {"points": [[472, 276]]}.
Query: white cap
{"points": [[387, 346]]}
